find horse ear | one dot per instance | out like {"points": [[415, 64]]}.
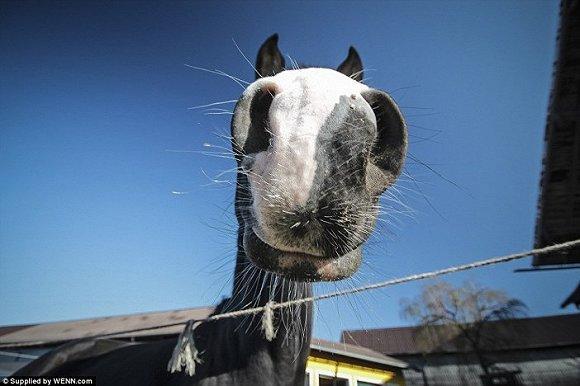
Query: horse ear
{"points": [[270, 60], [352, 65]]}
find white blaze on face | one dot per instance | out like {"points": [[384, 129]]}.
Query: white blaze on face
{"points": [[303, 101]]}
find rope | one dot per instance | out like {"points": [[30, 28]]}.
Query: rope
{"points": [[387, 283], [420, 276]]}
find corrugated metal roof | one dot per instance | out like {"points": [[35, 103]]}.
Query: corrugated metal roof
{"points": [[51, 333], [525, 333], [353, 351]]}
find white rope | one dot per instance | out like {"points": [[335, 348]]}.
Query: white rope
{"points": [[268, 322], [387, 283], [272, 306], [185, 353]]}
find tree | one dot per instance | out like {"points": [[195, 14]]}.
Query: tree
{"points": [[460, 317]]}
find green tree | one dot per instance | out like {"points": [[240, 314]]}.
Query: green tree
{"points": [[460, 316]]}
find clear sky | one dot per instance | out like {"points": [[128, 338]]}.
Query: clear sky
{"points": [[94, 94]]}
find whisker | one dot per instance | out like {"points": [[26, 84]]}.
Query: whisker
{"points": [[242, 83], [246, 58], [212, 104]]}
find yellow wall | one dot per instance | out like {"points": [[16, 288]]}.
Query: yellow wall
{"points": [[319, 366]]}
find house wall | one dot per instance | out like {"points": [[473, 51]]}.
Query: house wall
{"points": [[553, 366], [354, 373]]}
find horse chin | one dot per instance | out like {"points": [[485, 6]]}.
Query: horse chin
{"points": [[300, 266]]}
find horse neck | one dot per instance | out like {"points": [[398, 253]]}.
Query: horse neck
{"points": [[253, 287]]}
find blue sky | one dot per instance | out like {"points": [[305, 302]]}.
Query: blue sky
{"points": [[94, 95]]}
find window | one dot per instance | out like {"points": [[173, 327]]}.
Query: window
{"points": [[361, 383], [324, 380], [307, 379]]}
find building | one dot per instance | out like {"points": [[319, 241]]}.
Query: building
{"points": [[539, 351], [343, 364], [329, 363], [559, 202]]}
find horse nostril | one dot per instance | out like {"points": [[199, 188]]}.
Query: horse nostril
{"points": [[390, 147], [259, 136]]}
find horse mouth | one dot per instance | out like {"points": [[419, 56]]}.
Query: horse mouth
{"points": [[299, 266]]}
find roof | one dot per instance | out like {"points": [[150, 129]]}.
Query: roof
{"points": [[558, 217], [573, 298], [47, 334], [56, 332], [353, 351], [525, 333]]}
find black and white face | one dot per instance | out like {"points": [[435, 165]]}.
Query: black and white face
{"points": [[315, 148]]}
